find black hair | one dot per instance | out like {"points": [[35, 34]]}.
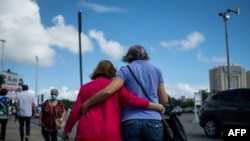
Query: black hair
{"points": [[25, 87]]}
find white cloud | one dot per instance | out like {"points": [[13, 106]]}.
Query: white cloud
{"points": [[111, 48], [213, 59], [101, 8], [64, 93], [26, 37], [65, 36], [192, 41], [183, 89]]}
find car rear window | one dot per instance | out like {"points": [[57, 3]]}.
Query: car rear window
{"points": [[228, 96]]}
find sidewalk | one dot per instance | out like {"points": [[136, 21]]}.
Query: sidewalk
{"points": [[12, 132]]}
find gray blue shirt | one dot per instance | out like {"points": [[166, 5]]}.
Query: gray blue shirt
{"points": [[150, 77]]}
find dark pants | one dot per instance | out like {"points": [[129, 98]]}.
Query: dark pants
{"points": [[23, 120], [49, 136], [3, 128]]}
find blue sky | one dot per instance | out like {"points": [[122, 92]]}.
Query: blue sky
{"points": [[183, 38]]}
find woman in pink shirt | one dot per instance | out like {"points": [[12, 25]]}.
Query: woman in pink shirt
{"points": [[102, 121]]}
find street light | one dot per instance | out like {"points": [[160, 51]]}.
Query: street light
{"points": [[37, 79], [225, 19], [3, 41]]}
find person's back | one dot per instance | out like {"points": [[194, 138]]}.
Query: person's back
{"points": [[102, 121], [5, 104], [147, 123], [103, 116], [25, 103], [150, 77], [5, 110]]}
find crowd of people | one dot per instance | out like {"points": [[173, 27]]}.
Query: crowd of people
{"points": [[110, 107]]}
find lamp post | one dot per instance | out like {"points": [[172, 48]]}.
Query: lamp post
{"points": [[3, 41], [226, 17], [37, 80], [80, 45]]}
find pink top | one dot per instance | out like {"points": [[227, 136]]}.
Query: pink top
{"points": [[102, 120]]}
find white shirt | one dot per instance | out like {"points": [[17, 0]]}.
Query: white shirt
{"points": [[25, 99]]}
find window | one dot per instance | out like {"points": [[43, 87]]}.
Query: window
{"points": [[228, 96], [245, 95]]}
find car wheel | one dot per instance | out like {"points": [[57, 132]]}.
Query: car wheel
{"points": [[212, 128]]}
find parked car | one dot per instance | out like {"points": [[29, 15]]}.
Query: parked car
{"points": [[178, 110], [225, 108], [188, 109]]}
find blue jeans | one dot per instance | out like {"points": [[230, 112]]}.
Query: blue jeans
{"points": [[23, 120], [142, 130]]}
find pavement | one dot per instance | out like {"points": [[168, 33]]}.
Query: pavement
{"points": [[12, 132]]}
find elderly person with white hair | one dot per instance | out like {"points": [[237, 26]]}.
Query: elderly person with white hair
{"points": [[52, 111]]}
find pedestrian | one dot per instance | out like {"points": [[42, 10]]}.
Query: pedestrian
{"points": [[15, 109], [102, 121], [5, 111], [52, 110], [147, 124], [26, 104]]}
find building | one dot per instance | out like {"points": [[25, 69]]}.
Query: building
{"points": [[248, 78], [219, 78], [11, 81]]}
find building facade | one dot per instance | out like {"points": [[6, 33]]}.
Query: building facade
{"points": [[248, 78], [219, 78]]}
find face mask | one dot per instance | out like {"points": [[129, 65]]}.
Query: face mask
{"points": [[53, 97]]}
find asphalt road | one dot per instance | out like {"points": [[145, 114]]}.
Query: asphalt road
{"points": [[193, 130]]}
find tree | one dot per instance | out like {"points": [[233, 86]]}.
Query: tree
{"points": [[68, 104], [204, 94]]}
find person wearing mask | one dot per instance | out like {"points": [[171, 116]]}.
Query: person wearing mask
{"points": [[102, 121], [26, 104], [52, 109], [147, 124], [5, 111]]}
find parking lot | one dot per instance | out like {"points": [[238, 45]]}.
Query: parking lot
{"points": [[193, 129]]}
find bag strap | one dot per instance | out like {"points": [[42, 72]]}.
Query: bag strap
{"points": [[144, 91], [163, 119], [143, 87]]}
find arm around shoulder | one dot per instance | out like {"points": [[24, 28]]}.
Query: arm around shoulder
{"points": [[105, 93]]}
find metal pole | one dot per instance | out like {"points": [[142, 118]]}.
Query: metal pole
{"points": [[80, 48], [225, 18], [228, 60], [37, 80], [3, 41]]}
